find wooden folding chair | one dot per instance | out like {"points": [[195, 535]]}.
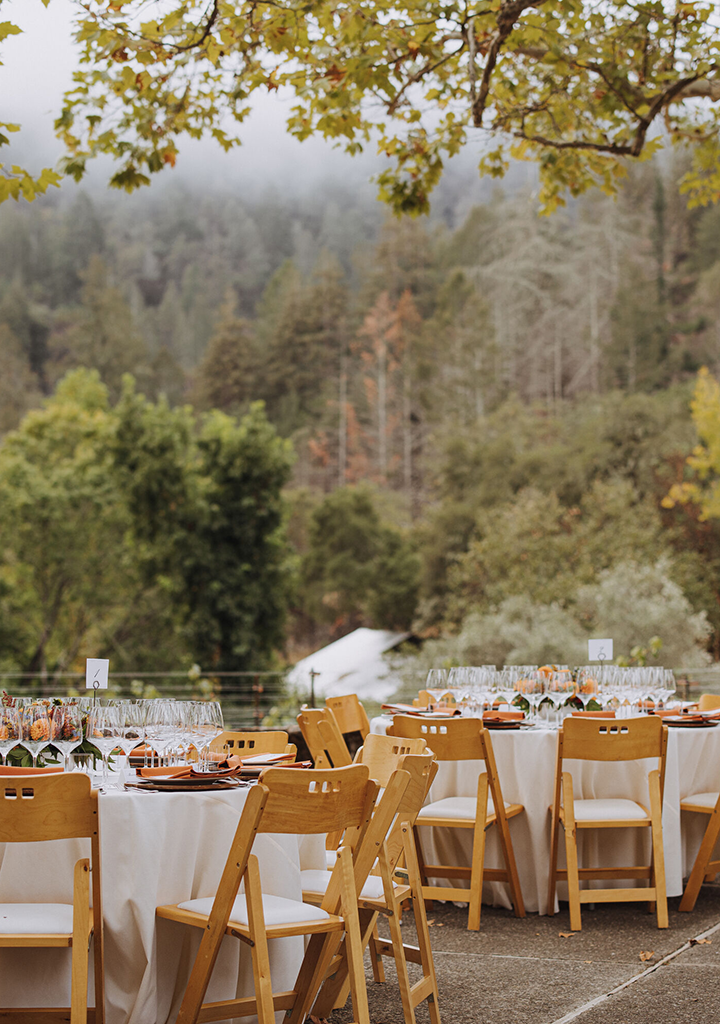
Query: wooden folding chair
{"points": [[287, 801], [624, 739], [247, 744], [349, 713], [38, 809], [324, 740], [709, 702], [704, 869], [466, 739], [383, 892]]}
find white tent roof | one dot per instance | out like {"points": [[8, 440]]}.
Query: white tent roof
{"points": [[352, 664]]}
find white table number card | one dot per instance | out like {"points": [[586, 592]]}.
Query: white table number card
{"points": [[96, 673], [600, 650]]}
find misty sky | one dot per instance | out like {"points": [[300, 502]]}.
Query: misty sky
{"points": [[38, 66]]}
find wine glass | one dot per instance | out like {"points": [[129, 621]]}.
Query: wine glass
{"points": [[588, 685], [208, 725], [160, 726], [10, 730], [436, 684], [103, 731], [560, 687], [35, 729], [66, 729]]}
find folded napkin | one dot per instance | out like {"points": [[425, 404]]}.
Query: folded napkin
{"points": [[503, 716], [593, 714], [675, 713], [406, 709], [268, 759], [226, 770], [10, 770], [403, 709]]}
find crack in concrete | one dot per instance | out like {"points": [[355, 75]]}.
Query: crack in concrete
{"points": [[598, 1000]]}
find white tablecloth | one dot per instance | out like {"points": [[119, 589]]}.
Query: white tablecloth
{"points": [[156, 848], [526, 767]]}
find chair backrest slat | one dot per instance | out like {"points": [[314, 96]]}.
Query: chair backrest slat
{"points": [[39, 808], [313, 802], [349, 713], [619, 739], [246, 744], [324, 740], [383, 754], [709, 702], [450, 739]]}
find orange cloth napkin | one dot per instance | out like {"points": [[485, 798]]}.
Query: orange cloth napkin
{"points": [[593, 714], [7, 769], [503, 716]]}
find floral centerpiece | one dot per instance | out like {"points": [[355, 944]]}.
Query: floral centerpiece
{"points": [[19, 756]]}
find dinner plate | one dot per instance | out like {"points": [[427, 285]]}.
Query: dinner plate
{"points": [[693, 723], [512, 723], [188, 786]]}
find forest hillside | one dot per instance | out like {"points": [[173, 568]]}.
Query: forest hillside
{"points": [[463, 426]]}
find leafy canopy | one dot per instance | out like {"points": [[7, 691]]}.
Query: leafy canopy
{"points": [[576, 85], [15, 181], [703, 487]]}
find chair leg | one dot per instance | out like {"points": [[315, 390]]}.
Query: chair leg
{"points": [[375, 958], [421, 864], [697, 875], [658, 851], [353, 939], [260, 955], [421, 925], [478, 854], [401, 966], [81, 930], [552, 881], [319, 953], [573, 878]]}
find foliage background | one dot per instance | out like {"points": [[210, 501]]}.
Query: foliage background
{"points": [[470, 428]]}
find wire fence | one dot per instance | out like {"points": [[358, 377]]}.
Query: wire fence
{"points": [[246, 697]]}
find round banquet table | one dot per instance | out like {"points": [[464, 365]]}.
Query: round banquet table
{"points": [[156, 848], [526, 768]]}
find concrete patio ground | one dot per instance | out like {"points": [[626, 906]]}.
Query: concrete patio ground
{"points": [[524, 971]]}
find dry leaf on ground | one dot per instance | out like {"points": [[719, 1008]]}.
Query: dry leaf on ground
{"points": [[647, 954], [566, 935], [701, 942]]}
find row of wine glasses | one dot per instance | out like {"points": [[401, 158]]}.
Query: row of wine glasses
{"points": [[479, 687], [169, 728]]}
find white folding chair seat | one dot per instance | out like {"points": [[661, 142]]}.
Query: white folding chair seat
{"points": [[36, 918], [706, 801], [609, 810], [277, 910], [316, 881], [458, 807]]}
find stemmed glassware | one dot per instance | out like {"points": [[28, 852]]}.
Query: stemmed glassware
{"points": [[560, 687], [103, 731], [437, 683], [66, 729], [588, 685], [208, 723], [532, 687], [160, 728], [35, 729], [10, 730]]}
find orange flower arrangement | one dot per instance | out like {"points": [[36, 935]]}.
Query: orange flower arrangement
{"points": [[40, 731]]}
